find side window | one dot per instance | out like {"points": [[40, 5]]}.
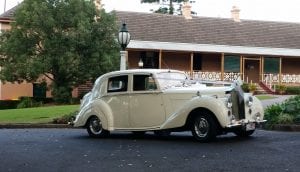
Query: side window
{"points": [[143, 83], [117, 84]]}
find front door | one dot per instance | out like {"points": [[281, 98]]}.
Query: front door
{"points": [[251, 70]]}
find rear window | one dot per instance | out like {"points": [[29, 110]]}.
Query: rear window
{"points": [[117, 84]]}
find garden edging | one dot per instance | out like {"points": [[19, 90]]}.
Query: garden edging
{"points": [[285, 127], [16, 126]]}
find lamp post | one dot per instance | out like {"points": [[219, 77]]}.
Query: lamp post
{"points": [[123, 39]]}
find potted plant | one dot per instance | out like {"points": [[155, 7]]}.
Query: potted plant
{"points": [[281, 89], [252, 88]]}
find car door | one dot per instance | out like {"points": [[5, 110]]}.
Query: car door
{"points": [[117, 99], [146, 104]]}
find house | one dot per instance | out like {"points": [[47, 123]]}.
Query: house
{"points": [[215, 48], [206, 48], [13, 91]]}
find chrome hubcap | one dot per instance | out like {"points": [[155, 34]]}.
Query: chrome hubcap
{"points": [[95, 125], [201, 127]]}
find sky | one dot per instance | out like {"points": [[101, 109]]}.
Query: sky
{"points": [[272, 10]]}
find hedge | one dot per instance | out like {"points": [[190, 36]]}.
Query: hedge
{"points": [[9, 104], [295, 90]]}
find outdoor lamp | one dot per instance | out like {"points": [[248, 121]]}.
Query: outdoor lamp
{"points": [[123, 39], [141, 63]]}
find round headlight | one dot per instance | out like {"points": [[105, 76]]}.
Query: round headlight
{"points": [[250, 101], [229, 103]]}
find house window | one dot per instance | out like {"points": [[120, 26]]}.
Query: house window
{"points": [[271, 65], [150, 59], [232, 63], [39, 90], [143, 83], [117, 84], [197, 62]]}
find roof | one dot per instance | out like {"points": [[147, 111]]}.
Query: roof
{"points": [[213, 31], [9, 15], [178, 32]]}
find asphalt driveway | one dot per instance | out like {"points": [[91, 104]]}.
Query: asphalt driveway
{"points": [[72, 150]]}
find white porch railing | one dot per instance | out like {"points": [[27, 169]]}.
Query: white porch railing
{"points": [[268, 78], [214, 76], [285, 78]]}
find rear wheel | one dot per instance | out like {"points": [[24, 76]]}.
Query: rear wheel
{"points": [[204, 127], [94, 127]]}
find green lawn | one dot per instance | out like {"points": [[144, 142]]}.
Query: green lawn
{"points": [[35, 115], [265, 97]]}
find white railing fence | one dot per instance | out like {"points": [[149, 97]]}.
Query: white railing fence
{"points": [[268, 78], [214, 76]]}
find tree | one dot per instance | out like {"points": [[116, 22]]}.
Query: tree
{"points": [[68, 41], [164, 10]]}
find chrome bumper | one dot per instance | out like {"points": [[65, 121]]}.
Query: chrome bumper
{"points": [[244, 123]]}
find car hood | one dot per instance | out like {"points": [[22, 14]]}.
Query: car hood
{"points": [[199, 90]]}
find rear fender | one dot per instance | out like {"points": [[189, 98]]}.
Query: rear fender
{"points": [[103, 111]]}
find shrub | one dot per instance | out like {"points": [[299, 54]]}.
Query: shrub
{"points": [[287, 112], [66, 118], [293, 90], [245, 87], [9, 104], [28, 102], [292, 106], [281, 89], [271, 114], [252, 87], [44, 100], [285, 118]]}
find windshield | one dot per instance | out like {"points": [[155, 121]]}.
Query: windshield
{"points": [[171, 79]]}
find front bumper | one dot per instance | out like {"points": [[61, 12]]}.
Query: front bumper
{"points": [[244, 123]]}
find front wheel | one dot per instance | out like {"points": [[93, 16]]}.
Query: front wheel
{"points": [[94, 127], [204, 128]]}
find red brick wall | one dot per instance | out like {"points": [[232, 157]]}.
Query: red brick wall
{"points": [[211, 62], [178, 61], [133, 59], [290, 66]]}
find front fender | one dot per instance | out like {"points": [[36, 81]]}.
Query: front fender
{"points": [[215, 105]]}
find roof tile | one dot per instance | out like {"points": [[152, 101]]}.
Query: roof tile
{"points": [[208, 30]]}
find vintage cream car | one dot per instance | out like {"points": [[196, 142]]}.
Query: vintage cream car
{"points": [[163, 101]]}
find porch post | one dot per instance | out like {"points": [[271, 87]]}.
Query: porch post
{"points": [[222, 66], [159, 59], [280, 70], [242, 67], [192, 64], [262, 67]]}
